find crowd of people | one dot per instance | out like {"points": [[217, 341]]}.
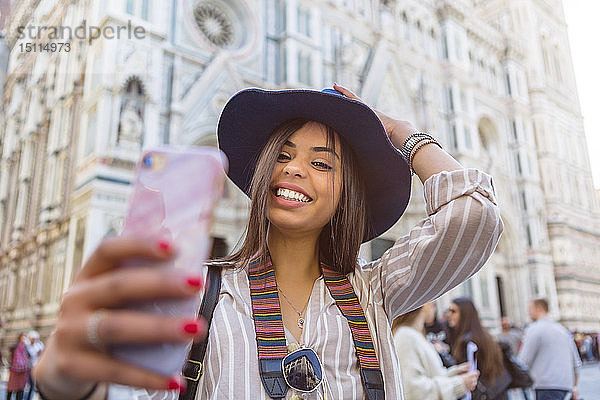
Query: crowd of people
{"points": [[543, 357], [588, 345]]}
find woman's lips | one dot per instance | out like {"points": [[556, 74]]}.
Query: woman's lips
{"points": [[285, 203]]}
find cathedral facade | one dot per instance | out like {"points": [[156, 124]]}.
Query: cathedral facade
{"points": [[492, 79]]}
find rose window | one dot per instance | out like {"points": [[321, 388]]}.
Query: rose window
{"points": [[214, 24]]}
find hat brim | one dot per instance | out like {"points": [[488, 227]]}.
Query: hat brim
{"points": [[251, 115]]}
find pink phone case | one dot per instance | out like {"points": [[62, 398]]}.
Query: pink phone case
{"points": [[174, 195]]}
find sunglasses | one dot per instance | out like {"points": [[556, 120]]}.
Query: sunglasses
{"points": [[302, 370]]}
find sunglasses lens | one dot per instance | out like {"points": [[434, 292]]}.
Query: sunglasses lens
{"points": [[302, 370]]}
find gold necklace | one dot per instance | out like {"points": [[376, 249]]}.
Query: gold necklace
{"points": [[300, 318]]}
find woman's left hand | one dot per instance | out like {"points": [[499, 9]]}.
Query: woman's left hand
{"points": [[397, 130]]}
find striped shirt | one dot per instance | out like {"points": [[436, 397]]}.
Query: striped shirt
{"points": [[444, 249]]}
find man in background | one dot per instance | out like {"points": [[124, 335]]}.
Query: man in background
{"points": [[550, 354], [510, 335]]}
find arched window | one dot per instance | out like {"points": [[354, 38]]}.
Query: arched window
{"points": [[488, 139], [131, 115]]}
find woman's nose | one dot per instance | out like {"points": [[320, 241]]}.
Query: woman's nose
{"points": [[293, 169]]}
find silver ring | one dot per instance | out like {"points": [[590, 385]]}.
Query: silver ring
{"points": [[92, 329]]}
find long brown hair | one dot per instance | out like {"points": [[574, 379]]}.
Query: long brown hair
{"points": [[340, 239], [489, 355]]}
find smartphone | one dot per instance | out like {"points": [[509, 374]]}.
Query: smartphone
{"points": [[174, 194]]}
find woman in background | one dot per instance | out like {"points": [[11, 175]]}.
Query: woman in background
{"points": [[19, 368], [423, 375], [464, 320]]}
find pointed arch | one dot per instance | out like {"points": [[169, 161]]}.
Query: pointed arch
{"points": [[387, 87], [489, 139], [133, 84]]}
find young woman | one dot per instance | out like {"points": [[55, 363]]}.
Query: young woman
{"points": [[464, 319], [324, 174], [423, 375]]}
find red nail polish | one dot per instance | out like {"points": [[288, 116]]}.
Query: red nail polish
{"points": [[175, 384], [164, 246], [191, 327], [194, 282]]}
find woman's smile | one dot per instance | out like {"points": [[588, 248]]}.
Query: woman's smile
{"points": [[288, 195], [289, 191]]}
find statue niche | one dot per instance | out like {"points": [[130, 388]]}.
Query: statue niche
{"points": [[131, 115]]}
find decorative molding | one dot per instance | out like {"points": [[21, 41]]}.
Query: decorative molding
{"points": [[451, 9]]}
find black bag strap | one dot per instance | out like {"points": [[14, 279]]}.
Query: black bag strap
{"points": [[373, 383], [192, 369], [272, 378]]}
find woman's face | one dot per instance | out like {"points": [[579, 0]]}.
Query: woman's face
{"points": [[306, 182], [453, 315]]}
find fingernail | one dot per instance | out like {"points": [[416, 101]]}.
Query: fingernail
{"points": [[191, 328], [176, 384], [164, 246], [194, 282]]}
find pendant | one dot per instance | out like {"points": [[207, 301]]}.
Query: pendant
{"points": [[292, 347], [300, 322]]}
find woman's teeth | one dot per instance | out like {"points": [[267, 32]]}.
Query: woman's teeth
{"points": [[291, 195]]}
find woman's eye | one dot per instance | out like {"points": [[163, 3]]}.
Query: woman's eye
{"points": [[321, 165], [283, 157]]}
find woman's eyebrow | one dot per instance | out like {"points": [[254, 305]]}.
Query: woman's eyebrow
{"points": [[316, 149], [325, 149]]}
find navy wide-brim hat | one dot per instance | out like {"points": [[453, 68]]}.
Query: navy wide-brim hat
{"points": [[251, 116]]}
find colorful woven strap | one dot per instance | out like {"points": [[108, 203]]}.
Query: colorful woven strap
{"points": [[343, 293], [268, 325], [270, 335], [266, 310]]}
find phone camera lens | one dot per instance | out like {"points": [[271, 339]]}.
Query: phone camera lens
{"points": [[147, 161]]}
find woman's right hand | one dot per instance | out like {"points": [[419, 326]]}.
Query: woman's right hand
{"points": [[70, 364], [462, 368], [470, 380]]}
